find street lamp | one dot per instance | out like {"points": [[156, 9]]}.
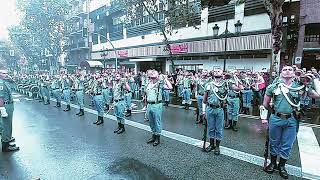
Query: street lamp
{"points": [[238, 27], [104, 55], [215, 30], [114, 49]]}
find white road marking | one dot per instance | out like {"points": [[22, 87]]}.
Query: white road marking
{"points": [[16, 100], [250, 158], [309, 153]]}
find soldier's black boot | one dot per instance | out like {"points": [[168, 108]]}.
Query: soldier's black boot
{"points": [[157, 140], [118, 128], [57, 105], [128, 113], [100, 120], [229, 125], [97, 120], [235, 127], [187, 106], [107, 107], [152, 139], [282, 169], [211, 146], [167, 103], [217, 149], [272, 166], [46, 102], [200, 120], [81, 112], [6, 147], [68, 108], [122, 129], [78, 112]]}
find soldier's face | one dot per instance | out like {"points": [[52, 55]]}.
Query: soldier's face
{"points": [[3, 74], [287, 72]]}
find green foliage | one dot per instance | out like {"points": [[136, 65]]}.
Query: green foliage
{"points": [[42, 27]]}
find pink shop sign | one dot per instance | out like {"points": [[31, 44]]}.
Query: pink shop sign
{"points": [[179, 48], [122, 53]]}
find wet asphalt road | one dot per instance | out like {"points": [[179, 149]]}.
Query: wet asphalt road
{"points": [[59, 145]]}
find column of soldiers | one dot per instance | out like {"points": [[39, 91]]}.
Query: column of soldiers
{"points": [[220, 98]]}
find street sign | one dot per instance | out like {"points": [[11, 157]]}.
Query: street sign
{"points": [[298, 60]]}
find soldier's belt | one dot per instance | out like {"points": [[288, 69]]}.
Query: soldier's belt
{"points": [[158, 102], [201, 94], [97, 94], [232, 96], [214, 106], [8, 102], [118, 100], [283, 116], [79, 89], [55, 89], [186, 88]]}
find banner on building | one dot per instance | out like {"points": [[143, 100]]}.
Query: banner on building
{"points": [[179, 48]]}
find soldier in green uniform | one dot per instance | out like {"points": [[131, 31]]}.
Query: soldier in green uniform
{"points": [[7, 107], [98, 98], [79, 89], [200, 89], [128, 95], [56, 90], [154, 104], [66, 90], [119, 87], [285, 94], [187, 80], [212, 108], [106, 91], [46, 89]]}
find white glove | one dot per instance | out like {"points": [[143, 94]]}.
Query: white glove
{"points": [[3, 112]]}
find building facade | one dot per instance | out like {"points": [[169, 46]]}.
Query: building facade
{"points": [[309, 34], [140, 46]]}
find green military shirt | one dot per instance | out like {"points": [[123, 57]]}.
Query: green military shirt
{"points": [[281, 105], [201, 85], [187, 82], [154, 91], [212, 90], [5, 91]]}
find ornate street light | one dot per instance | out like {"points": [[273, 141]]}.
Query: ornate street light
{"points": [[238, 27], [215, 30]]}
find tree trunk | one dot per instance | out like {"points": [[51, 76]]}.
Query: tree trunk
{"points": [[274, 10]]}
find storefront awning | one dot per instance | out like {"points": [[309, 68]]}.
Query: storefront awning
{"points": [[91, 64], [143, 60]]}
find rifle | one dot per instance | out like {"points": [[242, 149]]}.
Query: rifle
{"points": [[266, 145], [204, 132]]}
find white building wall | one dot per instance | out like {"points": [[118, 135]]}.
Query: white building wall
{"points": [[250, 23], [255, 64]]}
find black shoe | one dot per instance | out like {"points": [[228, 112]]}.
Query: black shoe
{"points": [[229, 125], [282, 169], [78, 112], [187, 106], [81, 112], [57, 105], [211, 147], [107, 107], [167, 103], [12, 139], [157, 140], [97, 120], [46, 103], [6, 147], [128, 113], [152, 139], [234, 127], [272, 166], [217, 149], [68, 108], [199, 121], [100, 120], [118, 129], [122, 129]]}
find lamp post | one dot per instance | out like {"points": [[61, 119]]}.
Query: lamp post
{"points": [[225, 35], [104, 55], [114, 49]]}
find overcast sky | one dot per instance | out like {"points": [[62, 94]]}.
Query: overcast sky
{"points": [[8, 17]]}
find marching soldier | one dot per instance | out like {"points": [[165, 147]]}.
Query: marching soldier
{"points": [[79, 90], [119, 87], [179, 83], [66, 85], [106, 91], [96, 91], [247, 94], [154, 104], [212, 108], [46, 91], [200, 89], [187, 80], [56, 86], [6, 112], [166, 92], [285, 95], [233, 102], [128, 95]]}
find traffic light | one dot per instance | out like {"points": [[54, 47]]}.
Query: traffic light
{"points": [[84, 32]]}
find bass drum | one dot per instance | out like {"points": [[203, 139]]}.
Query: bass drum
{"points": [[34, 89]]}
